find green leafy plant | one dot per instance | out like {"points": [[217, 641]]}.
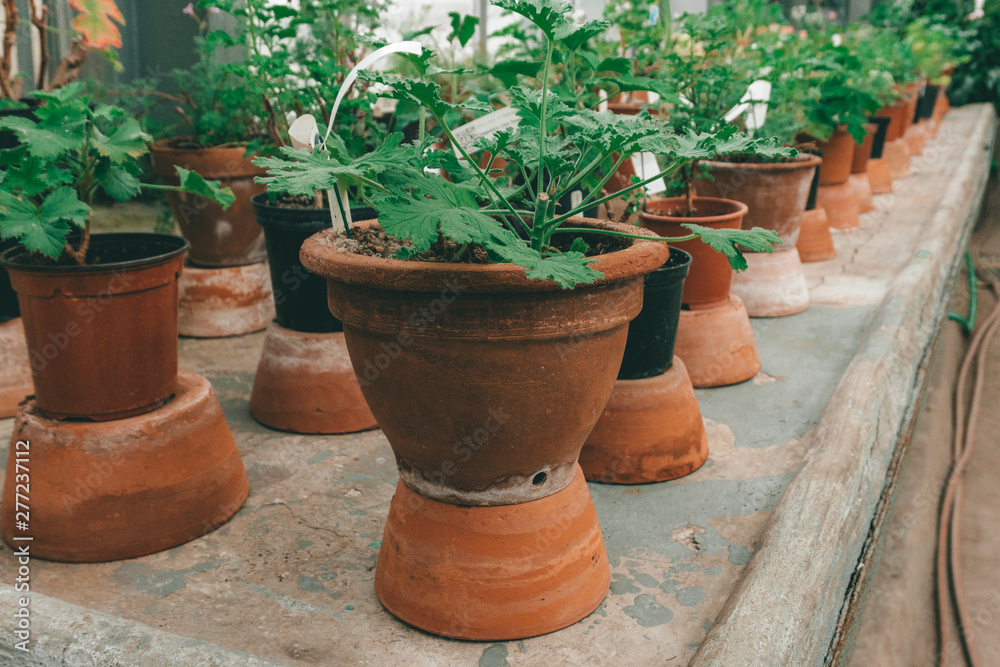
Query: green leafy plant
{"points": [[554, 147], [72, 151]]}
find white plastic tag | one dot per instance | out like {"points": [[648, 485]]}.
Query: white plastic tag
{"points": [[645, 166], [304, 132], [603, 95], [338, 196], [485, 126], [753, 104]]}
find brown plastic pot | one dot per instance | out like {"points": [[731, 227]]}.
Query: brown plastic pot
{"points": [[838, 155], [102, 337], [896, 113], [775, 193], [218, 237], [863, 151], [485, 383], [710, 276]]}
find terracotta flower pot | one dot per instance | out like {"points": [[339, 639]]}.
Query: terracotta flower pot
{"points": [[841, 204], [15, 373], [451, 344], [775, 193], [218, 237], [717, 345], [863, 151], [773, 284], [838, 156], [470, 363], [710, 276], [863, 190], [102, 338], [227, 301]]}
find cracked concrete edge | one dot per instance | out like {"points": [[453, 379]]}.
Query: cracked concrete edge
{"points": [[786, 606], [67, 634]]}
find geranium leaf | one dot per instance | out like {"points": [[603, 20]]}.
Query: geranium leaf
{"points": [[727, 241], [127, 140], [194, 183], [548, 15]]}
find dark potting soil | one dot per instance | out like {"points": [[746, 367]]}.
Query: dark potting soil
{"points": [[372, 241], [747, 158], [284, 200]]}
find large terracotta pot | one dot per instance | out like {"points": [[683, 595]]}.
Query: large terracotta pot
{"points": [[102, 337], [474, 362], [863, 151], [775, 193], [710, 276], [838, 155], [218, 237]]}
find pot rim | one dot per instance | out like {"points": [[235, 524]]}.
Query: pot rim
{"points": [[740, 210], [321, 258], [808, 162], [165, 157], [9, 257], [259, 201]]}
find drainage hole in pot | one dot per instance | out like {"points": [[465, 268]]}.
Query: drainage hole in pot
{"points": [[539, 479]]}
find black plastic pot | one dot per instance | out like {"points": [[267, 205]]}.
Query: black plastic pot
{"points": [[925, 105], [878, 140], [299, 296], [649, 350], [814, 187]]}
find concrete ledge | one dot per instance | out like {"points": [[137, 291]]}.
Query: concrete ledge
{"points": [[787, 607], [65, 634]]}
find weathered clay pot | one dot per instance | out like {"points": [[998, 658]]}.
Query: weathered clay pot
{"points": [[863, 151], [717, 345], [493, 573], [863, 191], [816, 241], [491, 533], [841, 204], [775, 193], [838, 156], [880, 176], [15, 373], [128, 487], [452, 344], [897, 155], [650, 431], [218, 237], [102, 337], [226, 301], [305, 384], [710, 276]]}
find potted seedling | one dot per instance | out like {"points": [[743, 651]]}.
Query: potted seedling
{"points": [[228, 112], [486, 328], [100, 311]]}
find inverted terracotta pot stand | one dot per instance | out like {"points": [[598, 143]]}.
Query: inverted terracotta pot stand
{"points": [[119, 489], [897, 155], [841, 204], [224, 301], [15, 373], [305, 384], [650, 431], [717, 344], [859, 171], [773, 285]]}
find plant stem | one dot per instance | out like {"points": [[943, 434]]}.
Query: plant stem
{"points": [[542, 129]]}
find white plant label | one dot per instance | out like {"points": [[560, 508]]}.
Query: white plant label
{"points": [[603, 96], [753, 104], [338, 197], [485, 126], [646, 166], [304, 132]]}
